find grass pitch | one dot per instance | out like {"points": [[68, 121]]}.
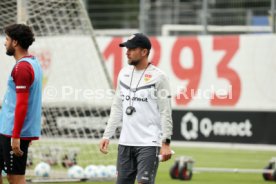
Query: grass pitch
{"points": [[219, 158]]}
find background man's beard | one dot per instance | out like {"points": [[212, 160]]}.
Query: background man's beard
{"points": [[133, 62], [10, 51]]}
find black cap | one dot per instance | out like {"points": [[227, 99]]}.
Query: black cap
{"points": [[137, 40]]}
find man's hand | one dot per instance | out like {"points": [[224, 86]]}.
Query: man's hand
{"points": [[104, 145], [15, 145], [166, 152]]}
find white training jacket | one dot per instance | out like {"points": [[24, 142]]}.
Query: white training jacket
{"points": [[152, 121]]}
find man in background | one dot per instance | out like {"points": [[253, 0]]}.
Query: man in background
{"points": [[142, 106]]}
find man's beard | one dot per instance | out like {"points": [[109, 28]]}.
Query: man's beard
{"points": [[10, 51], [133, 62]]}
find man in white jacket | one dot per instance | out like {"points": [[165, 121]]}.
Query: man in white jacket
{"points": [[142, 105]]}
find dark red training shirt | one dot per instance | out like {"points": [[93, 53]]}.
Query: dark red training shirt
{"points": [[23, 77]]}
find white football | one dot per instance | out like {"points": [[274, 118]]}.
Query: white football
{"points": [[42, 169], [102, 171], [112, 171], [75, 172], [91, 171]]}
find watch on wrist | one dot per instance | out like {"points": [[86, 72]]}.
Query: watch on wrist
{"points": [[166, 141]]}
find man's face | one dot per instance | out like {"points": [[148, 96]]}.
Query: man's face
{"points": [[135, 55], [9, 46]]}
